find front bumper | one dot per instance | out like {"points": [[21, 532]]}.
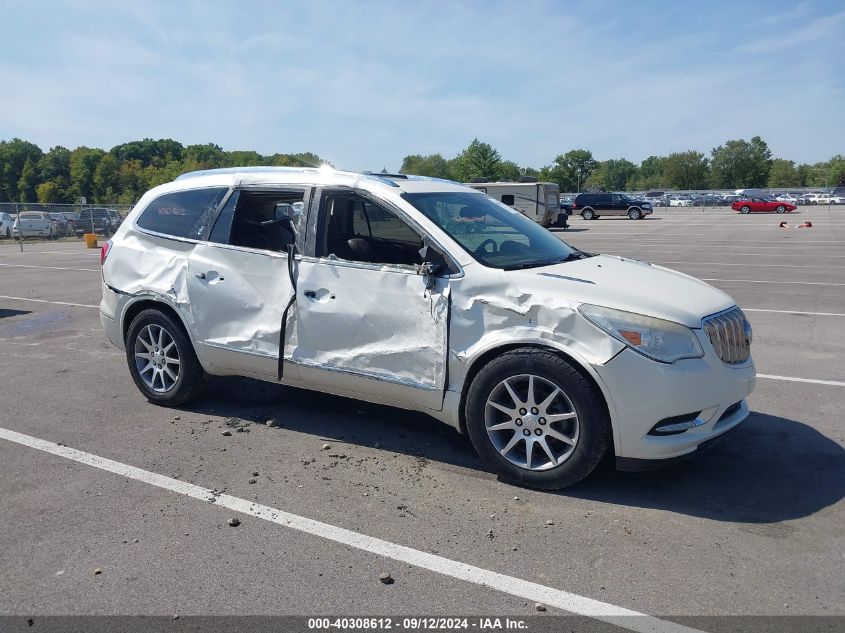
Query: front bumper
{"points": [[642, 392]]}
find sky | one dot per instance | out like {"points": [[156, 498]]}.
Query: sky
{"points": [[363, 83]]}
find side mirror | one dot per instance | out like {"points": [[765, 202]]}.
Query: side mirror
{"points": [[433, 264]]}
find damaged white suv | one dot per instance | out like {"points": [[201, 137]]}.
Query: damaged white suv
{"points": [[426, 295]]}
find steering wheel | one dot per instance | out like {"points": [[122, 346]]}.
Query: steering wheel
{"points": [[483, 250]]}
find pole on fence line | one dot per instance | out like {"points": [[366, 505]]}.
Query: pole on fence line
{"points": [[20, 226]]}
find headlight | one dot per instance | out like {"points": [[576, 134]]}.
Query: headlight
{"points": [[658, 339]]}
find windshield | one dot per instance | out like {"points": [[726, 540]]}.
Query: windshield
{"points": [[494, 234]]}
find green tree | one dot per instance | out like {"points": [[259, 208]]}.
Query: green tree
{"points": [[83, 164], [478, 160], [148, 151], [612, 175], [107, 179], [28, 182], [783, 174], [686, 170], [650, 173], [49, 192], [740, 163], [570, 170], [509, 170], [13, 156], [433, 165], [205, 156]]}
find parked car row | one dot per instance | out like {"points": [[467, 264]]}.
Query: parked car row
{"points": [[52, 225], [717, 199]]}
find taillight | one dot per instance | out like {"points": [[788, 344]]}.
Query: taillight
{"points": [[104, 251]]}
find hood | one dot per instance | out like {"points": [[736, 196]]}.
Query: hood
{"points": [[625, 284]]}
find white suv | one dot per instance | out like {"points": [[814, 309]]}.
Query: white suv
{"points": [[426, 295]]}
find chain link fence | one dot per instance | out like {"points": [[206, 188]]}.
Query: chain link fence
{"points": [[30, 222]]}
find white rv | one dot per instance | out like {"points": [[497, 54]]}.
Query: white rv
{"points": [[539, 201]]}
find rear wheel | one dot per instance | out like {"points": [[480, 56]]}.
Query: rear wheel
{"points": [[536, 420], [745, 209], [588, 214], [162, 360], [635, 214]]}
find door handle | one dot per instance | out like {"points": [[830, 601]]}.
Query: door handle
{"points": [[311, 294]]}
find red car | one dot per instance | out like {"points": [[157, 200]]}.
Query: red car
{"points": [[762, 205]]}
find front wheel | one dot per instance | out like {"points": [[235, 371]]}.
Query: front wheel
{"points": [[745, 209], [162, 360], [781, 209], [635, 214], [536, 420]]}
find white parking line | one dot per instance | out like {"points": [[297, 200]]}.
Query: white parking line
{"points": [[836, 314], [525, 589], [657, 261], [833, 383], [660, 252], [758, 281], [92, 253], [93, 270], [61, 303], [745, 243]]}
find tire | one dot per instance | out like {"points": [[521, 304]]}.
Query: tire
{"points": [[635, 214], [745, 209], [588, 214], [158, 386], [781, 209], [590, 429]]}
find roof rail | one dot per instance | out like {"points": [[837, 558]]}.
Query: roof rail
{"points": [[256, 169]]}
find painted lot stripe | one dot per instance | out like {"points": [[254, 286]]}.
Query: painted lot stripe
{"points": [[660, 252], [571, 602], [834, 314], [758, 281], [833, 383], [93, 270], [61, 303], [657, 261], [92, 253], [681, 234], [700, 243]]}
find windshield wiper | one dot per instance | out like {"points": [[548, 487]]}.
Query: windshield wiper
{"points": [[569, 258]]}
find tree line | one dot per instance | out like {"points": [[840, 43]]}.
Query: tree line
{"points": [[733, 165], [123, 173], [119, 175]]}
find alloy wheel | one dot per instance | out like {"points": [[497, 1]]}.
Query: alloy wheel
{"points": [[157, 358], [531, 422]]}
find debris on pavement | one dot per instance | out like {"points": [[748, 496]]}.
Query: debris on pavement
{"points": [[386, 579], [234, 522]]}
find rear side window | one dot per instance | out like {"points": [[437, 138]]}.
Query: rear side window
{"points": [[183, 213]]}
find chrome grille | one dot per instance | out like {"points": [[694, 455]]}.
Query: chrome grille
{"points": [[730, 334]]}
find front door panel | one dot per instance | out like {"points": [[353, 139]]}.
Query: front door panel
{"points": [[371, 330]]}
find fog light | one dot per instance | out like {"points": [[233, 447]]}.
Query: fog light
{"points": [[676, 424]]}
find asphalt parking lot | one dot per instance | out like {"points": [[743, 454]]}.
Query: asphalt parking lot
{"points": [[751, 527]]}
